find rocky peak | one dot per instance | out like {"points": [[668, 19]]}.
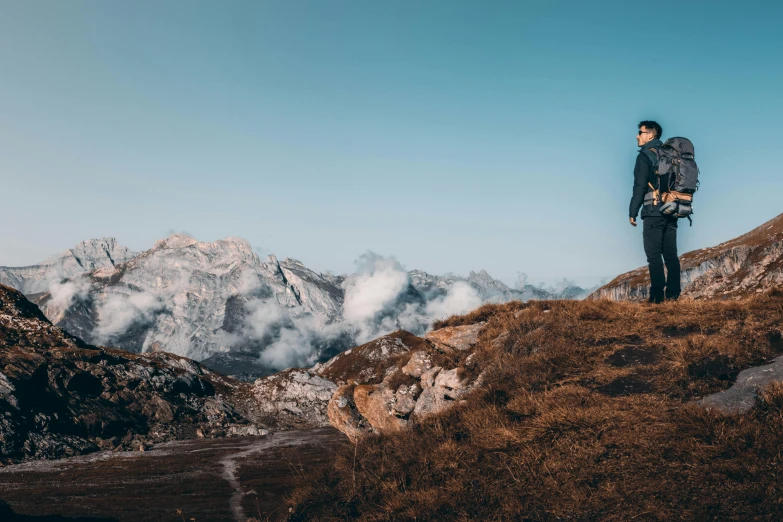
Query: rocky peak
{"points": [[99, 253], [484, 280], [174, 241]]}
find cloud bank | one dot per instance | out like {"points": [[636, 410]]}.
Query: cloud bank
{"points": [[378, 300]]}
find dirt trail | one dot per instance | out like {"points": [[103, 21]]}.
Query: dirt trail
{"points": [[209, 480]]}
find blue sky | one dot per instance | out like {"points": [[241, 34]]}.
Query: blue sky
{"points": [[452, 135]]}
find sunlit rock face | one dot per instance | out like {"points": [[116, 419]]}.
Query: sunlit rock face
{"points": [[748, 264]]}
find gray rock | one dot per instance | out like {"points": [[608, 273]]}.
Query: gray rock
{"points": [[432, 400], [741, 397], [404, 401], [419, 363], [295, 395], [458, 338], [452, 383], [428, 377]]}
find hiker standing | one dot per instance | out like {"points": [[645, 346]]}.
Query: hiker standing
{"points": [[659, 230]]}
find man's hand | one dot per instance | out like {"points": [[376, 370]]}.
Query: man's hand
{"points": [[633, 221]]}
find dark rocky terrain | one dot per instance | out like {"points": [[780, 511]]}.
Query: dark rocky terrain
{"points": [[61, 397]]}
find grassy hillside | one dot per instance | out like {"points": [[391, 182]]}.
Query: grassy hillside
{"points": [[587, 414]]}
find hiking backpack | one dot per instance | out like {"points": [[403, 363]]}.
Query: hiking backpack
{"points": [[675, 159]]}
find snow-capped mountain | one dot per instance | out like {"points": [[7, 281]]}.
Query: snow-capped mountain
{"points": [[219, 303]]}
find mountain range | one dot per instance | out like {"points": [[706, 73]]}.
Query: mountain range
{"points": [[221, 304]]}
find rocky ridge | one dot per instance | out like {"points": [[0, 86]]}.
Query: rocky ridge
{"points": [[751, 263], [84, 257]]}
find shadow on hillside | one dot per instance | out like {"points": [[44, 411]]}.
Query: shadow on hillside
{"points": [[7, 515]]}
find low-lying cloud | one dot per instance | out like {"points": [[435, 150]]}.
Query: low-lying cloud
{"points": [[378, 299], [62, 294], [119, 312]]}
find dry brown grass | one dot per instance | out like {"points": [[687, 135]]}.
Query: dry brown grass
{"points": [[586, 414]]}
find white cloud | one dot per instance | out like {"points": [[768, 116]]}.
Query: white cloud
{"points": [[120, 312], [461, 298], [375, 288], [64, 294]]}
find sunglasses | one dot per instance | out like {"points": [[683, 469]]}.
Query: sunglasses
{"points": [[642, 132]]}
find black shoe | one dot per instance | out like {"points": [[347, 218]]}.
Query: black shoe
{"points": [[655, 299]]}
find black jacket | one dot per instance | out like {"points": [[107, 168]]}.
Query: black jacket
{"points": [[641, 176]]}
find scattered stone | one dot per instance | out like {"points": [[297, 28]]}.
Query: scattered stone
{"points": [[742, 396]]}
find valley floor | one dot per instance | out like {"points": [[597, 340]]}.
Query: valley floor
{"points": [[228, 479]]}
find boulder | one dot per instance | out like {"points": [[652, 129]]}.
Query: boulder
{"points": [[452, 383], [419, 363], [343, 414], [741, 397], [432, 400], [159, 410], [459, 338], [405, 399], [428, 377], [376, 404]]}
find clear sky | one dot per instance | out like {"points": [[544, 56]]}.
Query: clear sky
{"points": [[453, 135]]}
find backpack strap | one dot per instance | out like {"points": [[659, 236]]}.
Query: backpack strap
{"points": [[652, 155]]}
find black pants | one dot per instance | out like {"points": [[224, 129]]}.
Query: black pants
{"points": [[660, 239]]}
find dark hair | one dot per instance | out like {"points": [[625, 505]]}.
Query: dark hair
{"points": [[652, 125]]}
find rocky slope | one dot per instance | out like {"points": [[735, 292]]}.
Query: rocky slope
{"points": [[378, 386], [748, 264], [60, 396], [221, 304]]}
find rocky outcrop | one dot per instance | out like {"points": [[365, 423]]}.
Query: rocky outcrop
{"points": [[369, 363], [459, 338], [60, 396], [415, 383], [743, 266], [294, 398]]}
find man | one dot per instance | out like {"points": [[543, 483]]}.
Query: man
{"points": [[659, 231]]}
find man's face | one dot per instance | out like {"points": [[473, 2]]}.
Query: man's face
{"points": [[644, 135]]}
